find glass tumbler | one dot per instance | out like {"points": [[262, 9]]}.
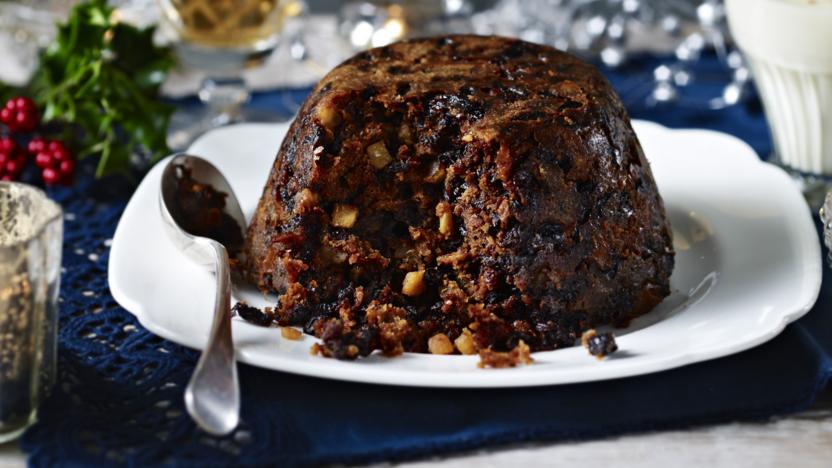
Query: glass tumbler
{"points": [[787, 46], [31, 233], [222, 38]]}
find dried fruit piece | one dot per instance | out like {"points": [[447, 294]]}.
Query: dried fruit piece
{"points": [[440, 344], [344, 216], [414, 283], [378, 156], [599, 345], [251, 314]]}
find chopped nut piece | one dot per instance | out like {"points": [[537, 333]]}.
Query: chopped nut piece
{"points": [[599, 345], [519, 355], [446, 224], [454, 258], [344, 216], [329, 116], [391, 335], [468, 138], [443, 207], [405, 134], [290, 333], [465, 342], [440, 344], [305, 200], [378, 155], [414, 283]]}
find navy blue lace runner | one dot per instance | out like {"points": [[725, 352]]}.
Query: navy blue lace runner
{"points": [[119, 395]]}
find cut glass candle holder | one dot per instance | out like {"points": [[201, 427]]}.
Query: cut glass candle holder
{"points": [[31, 232]]}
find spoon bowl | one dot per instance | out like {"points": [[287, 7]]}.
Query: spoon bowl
{"points": [[205, 173], [212, 396]]}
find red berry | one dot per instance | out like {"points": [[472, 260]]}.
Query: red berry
{"points": [[12, 159], [50, 176], [20, 114], [13, 167], [67, 167], [55, 160], [36, 145], [55, 145], [61, 154], [7, 145], [6, 178], [43, 160], [23, 103], [28, 124]]}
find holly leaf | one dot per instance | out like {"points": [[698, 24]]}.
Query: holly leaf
{"points": [[102, 77]]}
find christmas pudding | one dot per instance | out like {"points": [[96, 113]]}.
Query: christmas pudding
{"points": [[459, 194]]}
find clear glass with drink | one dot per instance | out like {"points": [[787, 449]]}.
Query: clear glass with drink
{"points": [[222, 38], [788, 45]]}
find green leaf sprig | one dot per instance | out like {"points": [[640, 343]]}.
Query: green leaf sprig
{"points": [[102, 77]]}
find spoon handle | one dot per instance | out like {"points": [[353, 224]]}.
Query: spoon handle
{"points": [[213, 393]]}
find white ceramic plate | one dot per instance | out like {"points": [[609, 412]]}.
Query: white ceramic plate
{"points": [[748, 262]]}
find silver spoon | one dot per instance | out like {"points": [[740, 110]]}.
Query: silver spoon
{"points": [[212, 396]]}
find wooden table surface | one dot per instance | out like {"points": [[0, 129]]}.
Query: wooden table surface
{"points": [[802, 440]]}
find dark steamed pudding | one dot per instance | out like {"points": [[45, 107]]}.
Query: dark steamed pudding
{"points": [[458, 194]]}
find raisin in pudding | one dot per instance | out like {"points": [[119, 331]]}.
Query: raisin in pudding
{"points": [[456, 195]]}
